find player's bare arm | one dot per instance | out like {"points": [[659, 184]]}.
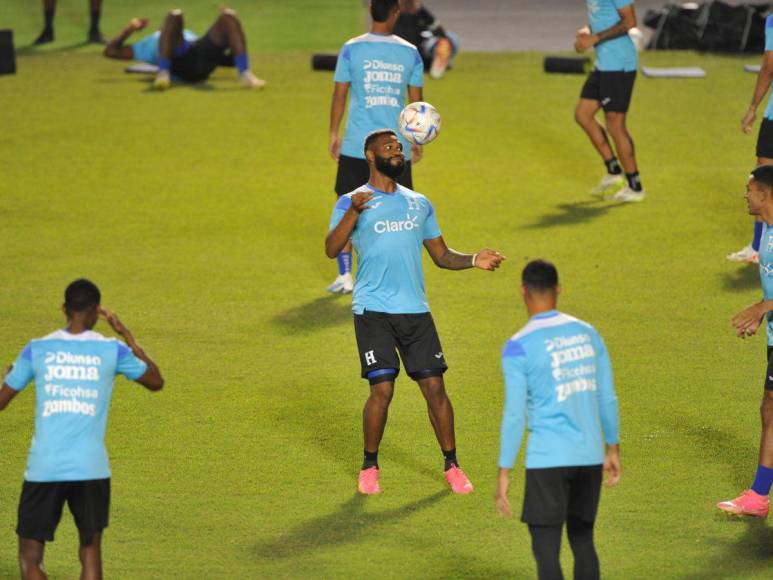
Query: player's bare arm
{"points": [[764, 78], [416, 94], [152, 379], [337, 108], [586, 40], [449, 259], [337, 237], [502, 503], [612, 466], [749, 320], [116, 49]]}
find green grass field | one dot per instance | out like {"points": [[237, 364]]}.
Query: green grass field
{"points": [[201, 214]]}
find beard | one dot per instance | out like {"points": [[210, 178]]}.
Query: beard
{"points": [[388, 168]]}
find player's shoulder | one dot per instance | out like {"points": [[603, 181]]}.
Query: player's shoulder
{"points": [[370, 38], [402, 190], [63, 335], [545, 322], [769, 21]]}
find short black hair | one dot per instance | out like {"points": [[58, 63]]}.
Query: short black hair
{"points": [[382, 9], [540, 276], [80, 295], [763, 175], [371, 138]]}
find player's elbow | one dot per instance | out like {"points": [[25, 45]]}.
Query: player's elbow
{"points": [[110, 52], [155, 385]]}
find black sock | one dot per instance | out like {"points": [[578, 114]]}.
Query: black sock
{"points": [[634, 182], [613, 167], [371, 460], [95, 19], [48, 16], [450, 458]]}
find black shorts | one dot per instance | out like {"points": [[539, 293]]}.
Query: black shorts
{"points": [[553, 494], [613, 89], [202, 57], [381, 336], [765, 139], [354, 172], [769, 370], [41, 504]]}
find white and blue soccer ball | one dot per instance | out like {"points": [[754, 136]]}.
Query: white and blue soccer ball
{"points": [[419, 123]]}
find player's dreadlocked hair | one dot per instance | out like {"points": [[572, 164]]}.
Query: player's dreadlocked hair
{"points": [[382, 9], [540, 276], [80, 295], [763, 175], [371, 138]]}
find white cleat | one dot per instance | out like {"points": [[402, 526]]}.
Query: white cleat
{"points": [[343, 284], [627, 195], [250, 81], [162, 81], [745, 254], [609, 182]]}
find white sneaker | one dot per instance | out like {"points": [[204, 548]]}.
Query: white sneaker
{"points": [[745, 254], [250, 81], [626, 194], [609, 182], [162, 81], [343, 284]]}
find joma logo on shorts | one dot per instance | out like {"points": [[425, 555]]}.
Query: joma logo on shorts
{"points": [[406, 225]]}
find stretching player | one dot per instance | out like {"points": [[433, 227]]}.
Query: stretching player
{"points": [[388, 224], [764, 137], [180, 53], [609, 86], [557, 371], [759, 198], [49, 8], [73, 370], [379, 68]]}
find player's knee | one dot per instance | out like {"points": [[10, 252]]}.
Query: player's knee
{"points": [[581, 117], [766, 408], [381, 393]]}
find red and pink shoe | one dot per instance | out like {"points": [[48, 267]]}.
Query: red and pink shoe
{"points": [[458, 481], [368, 481], [749, 503]]}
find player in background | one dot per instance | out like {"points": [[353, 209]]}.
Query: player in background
{"points": [[557, 372], [419, 26], [375, 71], [388, 225], [764, 151], [49, 8], [73, 370], [181, 53], [609, 86], [759, 199]]}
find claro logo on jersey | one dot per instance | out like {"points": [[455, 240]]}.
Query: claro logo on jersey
{"points": [[406, 225]]}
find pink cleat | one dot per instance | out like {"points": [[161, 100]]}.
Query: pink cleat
{"points": [[458, 480], [368, 481], [749, 503]]}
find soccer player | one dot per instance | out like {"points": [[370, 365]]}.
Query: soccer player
{"points": [[759, 198], [609, 86], [419, 26], [181, 53], [379, 68], [73, 370], [49, 7], [388, 224], [749, 253], [557, 372]]}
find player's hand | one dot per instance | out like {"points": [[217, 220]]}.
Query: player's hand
{"points": [[139, 23], [503, 505], [748, 321], [489, 259], [584, 41], [612, 467], [417, 152], [335, 146], [748, 119], [360, 200], [112, 319]]}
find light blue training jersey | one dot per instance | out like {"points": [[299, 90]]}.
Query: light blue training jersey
{"points": [[388, 239], [769, 46], [558, 380], [379, 69], [616, 54], [766, 272], [146, 49], [73, 376]]}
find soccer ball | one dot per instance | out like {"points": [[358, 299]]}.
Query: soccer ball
{"points": [[419, 123]]}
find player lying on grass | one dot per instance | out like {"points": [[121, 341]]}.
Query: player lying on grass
{"points": [[759, 198], [73, 370], [180, 53], [419, 26], [388, 224]]}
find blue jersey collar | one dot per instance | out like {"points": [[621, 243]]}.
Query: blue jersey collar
{"points": [[548, 314], [375, 190]]}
